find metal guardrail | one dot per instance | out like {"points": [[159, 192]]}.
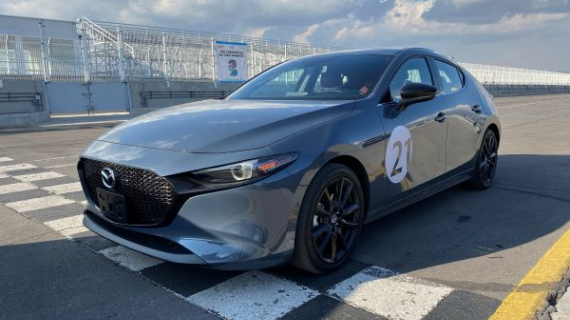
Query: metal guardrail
{"points": [[34, 98], [146, 95]]}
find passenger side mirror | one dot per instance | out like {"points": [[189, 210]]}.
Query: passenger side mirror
{"points": [[416, 92]]}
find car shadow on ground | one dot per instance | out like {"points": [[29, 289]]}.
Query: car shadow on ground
{"points": [[529, 200]]}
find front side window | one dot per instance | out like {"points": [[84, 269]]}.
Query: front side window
{"points": [[414, 70], [329, 77], [451, 78]]}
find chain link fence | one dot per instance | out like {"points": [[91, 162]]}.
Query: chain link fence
{"points": [[105, 52]]}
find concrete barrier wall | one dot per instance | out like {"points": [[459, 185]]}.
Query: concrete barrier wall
{"points": [[524, 90], [137, 87], [14, 87]]}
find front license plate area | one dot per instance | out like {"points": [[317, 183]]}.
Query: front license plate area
{"points": [[112, 205]]}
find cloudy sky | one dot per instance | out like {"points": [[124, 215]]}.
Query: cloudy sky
{"points": [[518, 33]]}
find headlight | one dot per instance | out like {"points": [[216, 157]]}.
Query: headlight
{"points": [[243, 172]]}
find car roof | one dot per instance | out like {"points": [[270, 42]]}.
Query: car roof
{"points": [[390, 52]]}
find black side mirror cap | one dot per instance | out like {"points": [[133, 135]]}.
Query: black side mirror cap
{"points": [[417, 92]]}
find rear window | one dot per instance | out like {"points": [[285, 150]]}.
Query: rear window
{"points": [[451, 78]]}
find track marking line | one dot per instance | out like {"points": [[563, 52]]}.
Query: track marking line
{"points": [[388, 294], [16, 167], [16, 187], [68, 226], [82, 123], [39, 203], [531, 292], [3, 175], [531, 103], [61, 166], [253, 295], [64, 188], [38, 176], [130, 259], [50, 159], [6, 159]]}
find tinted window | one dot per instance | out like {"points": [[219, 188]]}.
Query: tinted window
{"points": [[413, 70], [451, 78], [329, 77]]}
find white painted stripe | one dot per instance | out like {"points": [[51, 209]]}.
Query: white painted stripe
{"points": [[39, 203], [64, 188], [390, 295], [81, 123], [68, 226], [253, 295], [3, 175], [130, 259], [84, 202], [39, 176], [16, 167], [16, 187], [6, 159], [61, 166], [56, 158]]}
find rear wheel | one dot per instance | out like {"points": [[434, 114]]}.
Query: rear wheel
{"points": [[330, 220], [486, 165]]}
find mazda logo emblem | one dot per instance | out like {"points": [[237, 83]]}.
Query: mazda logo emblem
{"points": [[109, 177]]}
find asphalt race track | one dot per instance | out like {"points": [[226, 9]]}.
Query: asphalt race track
{"points": [[454, 256]]}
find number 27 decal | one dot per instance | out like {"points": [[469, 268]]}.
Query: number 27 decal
{"points": [[398, 154]]}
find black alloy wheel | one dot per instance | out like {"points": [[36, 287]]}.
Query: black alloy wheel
{"points": [[330, 220], [486, 165]]}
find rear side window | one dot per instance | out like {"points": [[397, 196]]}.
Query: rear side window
{"points": [[413, 70], [451, 77]]}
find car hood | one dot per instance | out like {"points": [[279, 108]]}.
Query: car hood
{"points": [[224, 125]]}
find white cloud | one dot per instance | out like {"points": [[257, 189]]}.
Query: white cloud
{"points": [[302, 37]]}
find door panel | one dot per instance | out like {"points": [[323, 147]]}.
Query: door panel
{"points": [[416, 147], [462, 101]]}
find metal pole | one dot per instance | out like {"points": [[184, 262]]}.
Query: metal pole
{"points": [[121, 54], [85, 55], [45, 54], [213, 61], [164, 56]]}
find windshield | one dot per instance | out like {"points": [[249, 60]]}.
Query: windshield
{"points": [[329, 77]]}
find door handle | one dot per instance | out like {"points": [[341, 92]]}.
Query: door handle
{"points": [[440, 117], [476, 108]]}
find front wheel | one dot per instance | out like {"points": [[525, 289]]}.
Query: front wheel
{"points": [[486, 165], [330, 220]]}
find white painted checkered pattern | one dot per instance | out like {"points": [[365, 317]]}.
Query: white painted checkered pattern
{"points": [[382, 292], [68, 226], [130, 259], [64, 188], [253, 296], [39, 176], [39, 203], [16, 187], [16, 167]]}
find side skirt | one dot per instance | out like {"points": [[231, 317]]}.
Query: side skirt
{"points": [[420, 195]]}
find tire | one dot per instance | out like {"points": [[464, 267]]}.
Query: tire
{"points": [[323, 215], [486, 164]]}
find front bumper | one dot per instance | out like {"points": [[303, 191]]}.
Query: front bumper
{"points": [[251, 226]]}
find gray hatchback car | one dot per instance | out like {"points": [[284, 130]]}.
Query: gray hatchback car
{"points": [[290, 166]]}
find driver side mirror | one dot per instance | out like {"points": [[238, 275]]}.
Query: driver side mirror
{"points": [[416, 92]]}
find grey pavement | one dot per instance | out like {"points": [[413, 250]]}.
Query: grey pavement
{"points": [[477, 244]]}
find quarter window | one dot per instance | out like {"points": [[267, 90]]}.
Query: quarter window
{"points": [[413, 70], [451, 78]]}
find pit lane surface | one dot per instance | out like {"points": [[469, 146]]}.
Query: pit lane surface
{"points": [[456, 255]]}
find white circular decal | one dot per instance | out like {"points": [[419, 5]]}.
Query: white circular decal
{"points": [[398, 154]]}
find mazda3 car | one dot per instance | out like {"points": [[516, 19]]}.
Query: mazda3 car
{"points": [[291, 165]]}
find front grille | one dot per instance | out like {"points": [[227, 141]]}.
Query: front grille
{"points": [[150, 199]]}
